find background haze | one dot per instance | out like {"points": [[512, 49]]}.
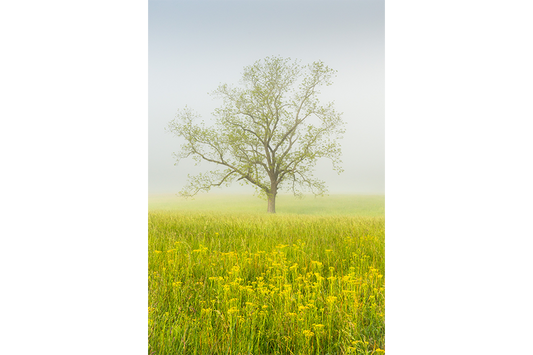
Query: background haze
{"points": [[195, 46]]}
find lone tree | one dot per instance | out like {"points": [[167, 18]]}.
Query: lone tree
{"points": [[269, 132]]}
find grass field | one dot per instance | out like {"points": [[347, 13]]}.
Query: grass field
{"points": [[225, 281]]}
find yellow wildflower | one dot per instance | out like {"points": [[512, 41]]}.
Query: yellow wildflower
{"points": [[206, 310], [308, 333], [302, 308], [294, 266], [232, 310], [331, 299]]}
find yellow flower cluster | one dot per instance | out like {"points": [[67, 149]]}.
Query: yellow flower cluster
{"points": [[308, 333], [233, 310], [202, 249], [207, 311], [331, 299]]}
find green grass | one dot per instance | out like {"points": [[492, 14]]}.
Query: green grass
{"points": [[228, 282]]}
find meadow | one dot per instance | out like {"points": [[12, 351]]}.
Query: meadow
{"points": [[225, 278]]}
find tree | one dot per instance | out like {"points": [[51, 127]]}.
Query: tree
{"points": [[269, 132]]}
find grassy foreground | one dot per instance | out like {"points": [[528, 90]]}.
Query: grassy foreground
{"points": [[234, 283]]}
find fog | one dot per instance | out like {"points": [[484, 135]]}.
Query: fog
{"points": [[196, 45]]}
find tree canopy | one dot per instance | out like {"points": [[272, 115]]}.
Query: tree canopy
{"points": [[269, 131]]}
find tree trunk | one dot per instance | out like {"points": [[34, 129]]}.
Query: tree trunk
{"points": [[271, 203], [272, 198]]}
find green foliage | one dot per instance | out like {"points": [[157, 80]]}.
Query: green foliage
{"points": [[268, 133]]}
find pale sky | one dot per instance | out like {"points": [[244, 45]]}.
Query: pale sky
{"points": [[196, 45]]}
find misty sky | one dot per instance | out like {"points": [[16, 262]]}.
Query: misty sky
{"points": [[196, 45]]}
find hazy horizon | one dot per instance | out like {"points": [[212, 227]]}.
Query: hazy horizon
{"points": [[195, 46], [229, 191], [240, 203]]}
